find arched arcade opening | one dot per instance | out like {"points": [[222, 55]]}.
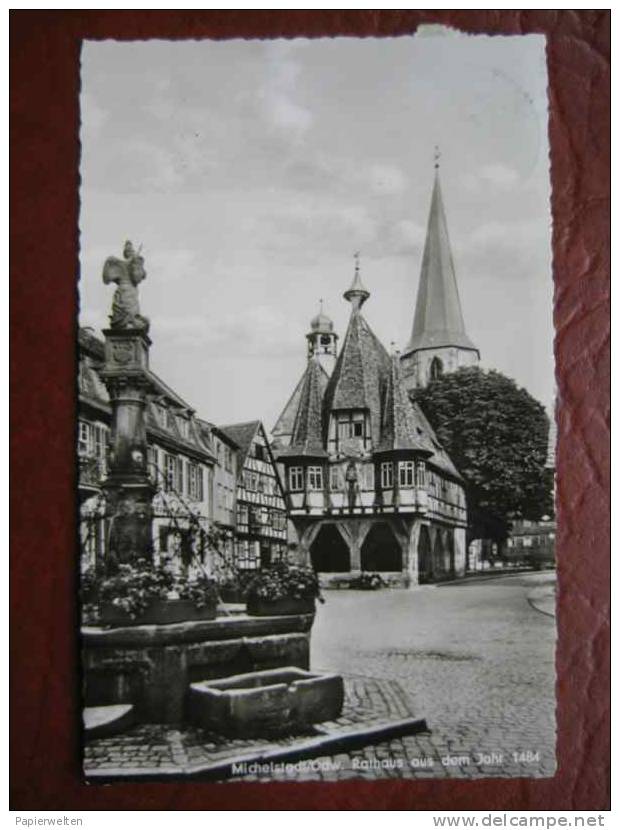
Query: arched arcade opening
{"points": [[329, 553], [380, 549]]}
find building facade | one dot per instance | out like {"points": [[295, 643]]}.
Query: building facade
{"points": [[260, 532], [368, 486], [180, 464], [438, 342]]}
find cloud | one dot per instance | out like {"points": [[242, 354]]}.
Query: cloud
{"points": [[259, 330], [386, 178], [497, 175], [279, 95], [507, 235]]}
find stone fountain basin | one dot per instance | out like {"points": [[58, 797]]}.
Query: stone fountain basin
{"points": [[264, 703]]}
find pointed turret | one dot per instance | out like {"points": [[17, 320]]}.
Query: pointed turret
{"points": [[307, 437], [439, 342], [400, 427]]}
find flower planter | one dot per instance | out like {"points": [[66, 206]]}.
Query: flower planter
{"points": [[159, 612], [232, 595], [265, 703], [287, 606]]}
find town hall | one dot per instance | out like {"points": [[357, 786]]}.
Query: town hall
{"points": [[369, 488]]}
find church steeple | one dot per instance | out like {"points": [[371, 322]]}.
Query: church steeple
{"points": [[438, 340]]}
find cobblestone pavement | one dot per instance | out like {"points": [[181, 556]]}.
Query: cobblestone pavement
{"points": [[158, 748], [474, 658]]}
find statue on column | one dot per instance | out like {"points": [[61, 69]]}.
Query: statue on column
{"points": [[127, 273], [128, 489]]}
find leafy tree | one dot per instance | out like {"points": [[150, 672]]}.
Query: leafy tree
{"points": [[496, 434]]}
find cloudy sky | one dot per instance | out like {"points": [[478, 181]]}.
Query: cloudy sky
{"points": [[251, 171]]}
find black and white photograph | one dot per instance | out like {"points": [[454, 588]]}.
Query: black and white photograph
{"points": [[316, 409]]}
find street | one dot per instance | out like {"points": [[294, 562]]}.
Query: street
{"points": [[475, 658]]}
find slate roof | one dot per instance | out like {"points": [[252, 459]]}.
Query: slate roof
{"points": [[365, 377], [356, 381], [286, 421], [440, 457], [401, 428], [242, 435], [307, 433], [438, 319]]}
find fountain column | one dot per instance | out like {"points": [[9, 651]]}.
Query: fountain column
{"points": [[128, 489]]}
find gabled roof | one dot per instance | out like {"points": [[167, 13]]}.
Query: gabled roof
{"points": [[355, 382], [438, 319], [401, 427], [242, 435], [307, 433]]}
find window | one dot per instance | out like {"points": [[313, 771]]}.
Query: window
{"points": [[315, 478], [259, 452], [194, 482], [170, 421], [405, 473], [242, 515], [151, 457], [352, 426], [387, 475], [179, 481], [247, 558], [85, 438], [421, 474], [101, 435], [183, 425], [436, 368], [228, 459], [335, 478], [170, 472], [296, 479]]}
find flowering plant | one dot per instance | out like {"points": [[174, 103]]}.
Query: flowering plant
{"points": [[134, 587], [200, 589], [368, 582], [285, 581]]}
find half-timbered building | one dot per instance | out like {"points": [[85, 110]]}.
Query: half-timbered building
{"points": [[261, 538], [368, 485], [180, 463]]}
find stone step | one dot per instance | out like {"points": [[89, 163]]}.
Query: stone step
{"points": [[102, 721]]}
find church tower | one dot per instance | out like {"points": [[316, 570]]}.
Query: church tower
{"points": [[438, 342], [323, 340]]}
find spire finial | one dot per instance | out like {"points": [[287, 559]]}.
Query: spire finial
{"points": [[321, 305], [436, 156], [357, 294]]}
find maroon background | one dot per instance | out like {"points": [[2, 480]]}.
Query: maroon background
{"points": [[44, 54]]}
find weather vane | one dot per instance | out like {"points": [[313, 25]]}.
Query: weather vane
{"points": [[356, 257], [437, 156]]}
